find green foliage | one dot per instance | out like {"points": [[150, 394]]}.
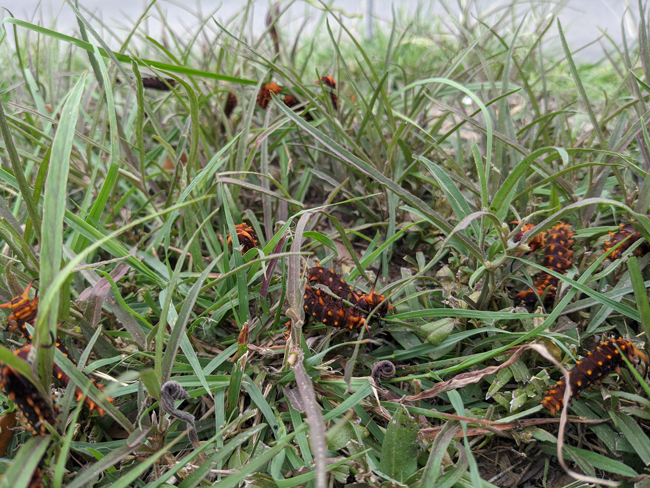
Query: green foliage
{"points": [[413, 177]]}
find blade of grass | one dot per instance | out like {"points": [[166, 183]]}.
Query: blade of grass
{"points": [[92, 471], [368, 170], [111, 175], [18, 174], [314, 420], [181, 322], [438, 450], [640, 293], [59, 469], [126, 59], [20, 471], [54, 203]]}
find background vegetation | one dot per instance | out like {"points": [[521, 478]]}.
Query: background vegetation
{"points": [[120, 200]]}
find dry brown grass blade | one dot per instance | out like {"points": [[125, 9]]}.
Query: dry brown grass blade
{"points": [[315, 421], [465, 379], [305, 385], [430, 433]]}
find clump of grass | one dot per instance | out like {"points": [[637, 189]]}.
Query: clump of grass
{"points": [[402, 176]]}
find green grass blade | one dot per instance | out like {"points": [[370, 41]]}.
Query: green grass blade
{"points": [[366, 169], [125, 59], [54, 202], [20, 472], [640, 293], [116, 455], [181, 323], [18, 174]]}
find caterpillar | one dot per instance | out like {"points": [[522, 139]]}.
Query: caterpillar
{"points": [[557, 258], [323, 308], [231, 104], [24, 311], [369, 301], [246, 236], [632, 235], [593, 367], [156, 83], [291, 101], [535, 243], [264, 95], [37, 478], [333, 281], [329, 82], [35, 411], [363, 304], [64, 380]]}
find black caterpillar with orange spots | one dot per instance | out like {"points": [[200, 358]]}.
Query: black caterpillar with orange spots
{"points": [[37, 478], [369, 301], [24, 311], [593, 367], [328, 310], [337, 285], [34, 410], [626, 231], [557, 257], [291, 102], [332, 310], [246, 236]]}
